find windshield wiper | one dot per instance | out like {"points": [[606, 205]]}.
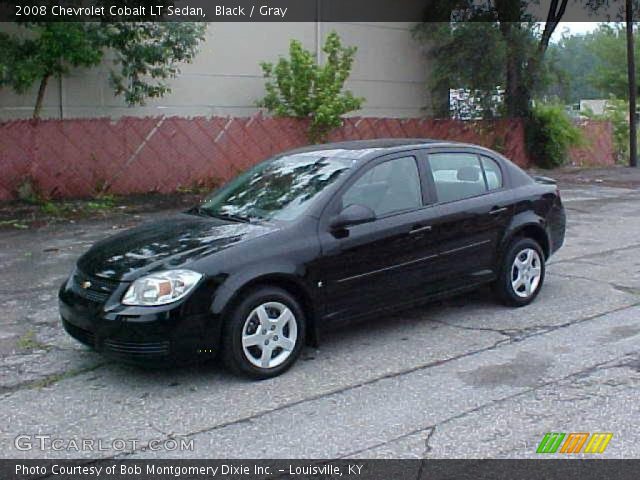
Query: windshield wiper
{"points": [[203, 212], [198, 211], [231, 216]]}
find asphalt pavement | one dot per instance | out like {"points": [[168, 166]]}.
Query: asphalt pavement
{"points": [[463, 378]]}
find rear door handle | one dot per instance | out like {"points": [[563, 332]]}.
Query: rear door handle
{"points": [[497, 211], [420, 229]]}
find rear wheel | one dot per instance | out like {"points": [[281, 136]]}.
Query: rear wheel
{"points": [[521, 274], [265, 334]]}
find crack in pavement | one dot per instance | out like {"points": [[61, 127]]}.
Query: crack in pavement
{"points": [[320, 396], [386, 442], [518, 335], [431, 429], [47, 380], [577, 277], [595, 254], [504, 332], [616, 286], [625, 289], [574, 209], [427, 441], [35, 289], [338, 391], [589, 262], [513, 335]]}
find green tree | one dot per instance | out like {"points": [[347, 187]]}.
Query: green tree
{"points": [[48, 49], [571, 62], [511, 58], [608, 45], [145, 54], [297, 86], [148, 53]]}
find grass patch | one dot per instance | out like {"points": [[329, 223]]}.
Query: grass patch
{"points": [[57, 377], [56, 209], [79, 208], [22, 215], [14, 223], [101, 204], [29, 342]]}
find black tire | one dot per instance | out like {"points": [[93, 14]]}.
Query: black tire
{"points": [[233, 354], [504, 288]]}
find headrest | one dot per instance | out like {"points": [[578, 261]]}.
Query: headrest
{"points": [[469, 174]]}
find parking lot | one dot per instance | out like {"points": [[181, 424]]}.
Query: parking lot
{"points": [[464, 378]]}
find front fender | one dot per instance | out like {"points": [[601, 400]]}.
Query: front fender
{"points": [[285, 275], [236, 282]]}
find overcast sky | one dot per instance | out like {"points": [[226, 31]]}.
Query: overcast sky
{"points": [[574, 28]]}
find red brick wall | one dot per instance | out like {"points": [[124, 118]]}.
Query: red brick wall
{"points": [[76, 158], [598, 148]]}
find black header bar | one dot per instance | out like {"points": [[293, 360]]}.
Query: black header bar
{"points": [[280, 10]]}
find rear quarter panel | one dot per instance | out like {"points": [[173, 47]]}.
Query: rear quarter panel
{"points": [[538, 205]]}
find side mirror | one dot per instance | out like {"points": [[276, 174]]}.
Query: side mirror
{"points": [[352, 215]]}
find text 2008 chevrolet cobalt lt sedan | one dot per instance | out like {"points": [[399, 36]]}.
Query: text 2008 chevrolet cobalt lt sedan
{"points": [[310, 237]]}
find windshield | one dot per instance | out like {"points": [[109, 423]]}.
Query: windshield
{"points": [[278, 189]]}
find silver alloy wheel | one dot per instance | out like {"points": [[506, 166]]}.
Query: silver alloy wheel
{"points": [[526, 273], [269, 335]]}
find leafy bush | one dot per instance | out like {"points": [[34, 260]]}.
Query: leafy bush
{"points": [[550, 135], [299, 87]]}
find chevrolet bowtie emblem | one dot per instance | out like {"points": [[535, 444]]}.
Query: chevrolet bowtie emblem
{"points": [[86, 285]]}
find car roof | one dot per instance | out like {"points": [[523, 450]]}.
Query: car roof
{"points": [[367, 149]]}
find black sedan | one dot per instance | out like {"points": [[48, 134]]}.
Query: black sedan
{"points": [[310, 238]]}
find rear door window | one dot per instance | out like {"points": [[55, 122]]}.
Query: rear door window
{"points": [[492, 172], [457, 176]]}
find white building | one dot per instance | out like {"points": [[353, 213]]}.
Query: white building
{"points": [[226, 79], [597, 107]]}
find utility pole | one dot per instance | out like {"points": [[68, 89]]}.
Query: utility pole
{"points": [[631, 67]]}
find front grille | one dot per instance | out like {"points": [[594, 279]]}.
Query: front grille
{"points": [[98, 289], [137, 348], [80, 334]]}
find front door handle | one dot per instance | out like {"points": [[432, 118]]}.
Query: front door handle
{"points": [[420, 229], [497, 211]]}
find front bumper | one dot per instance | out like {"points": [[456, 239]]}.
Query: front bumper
{"points": [[141, 335]]}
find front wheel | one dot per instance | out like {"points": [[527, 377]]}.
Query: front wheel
{"points": [[265, 334], [521, 273]]}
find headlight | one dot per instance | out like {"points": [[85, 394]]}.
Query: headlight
{"points": [[161, 288]]}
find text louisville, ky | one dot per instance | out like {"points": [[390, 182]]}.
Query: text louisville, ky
{"points": [[351, 470]]}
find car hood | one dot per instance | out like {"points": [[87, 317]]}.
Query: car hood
{"points": [[169, 243]]}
